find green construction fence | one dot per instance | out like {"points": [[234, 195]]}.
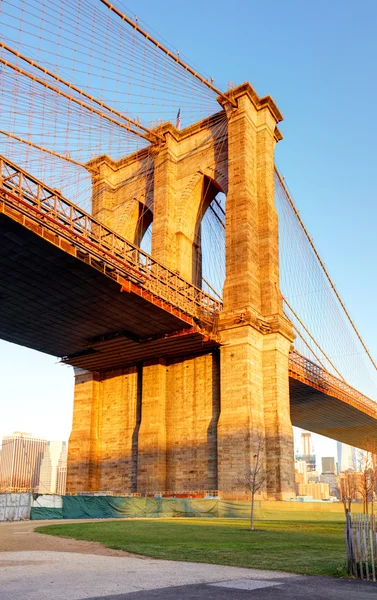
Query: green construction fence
{"points": [[115, 507]]}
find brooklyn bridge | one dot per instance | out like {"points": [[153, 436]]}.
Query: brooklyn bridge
{"points": [[166, 262]]}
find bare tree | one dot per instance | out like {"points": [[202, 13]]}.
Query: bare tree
{"points": [[367, 468], [348, 488], [256, 474]]}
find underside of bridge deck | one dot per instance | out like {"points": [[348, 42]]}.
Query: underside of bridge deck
{"points": [[331, 416], [55, 303]]}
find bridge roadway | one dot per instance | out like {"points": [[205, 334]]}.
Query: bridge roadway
{"points": [[71, 287]]}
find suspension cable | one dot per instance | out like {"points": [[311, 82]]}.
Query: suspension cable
{"points": [[217, 217], [306, 343], [73, 99], [67, 158], [77, 89], [212, 289], [312, 338], [281, 180], [168, 53]]}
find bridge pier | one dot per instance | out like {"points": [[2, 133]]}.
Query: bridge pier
{"points": [[83, 464], [152, 432], [146, 429], [192, 422], [277, 419], [255, 335]]}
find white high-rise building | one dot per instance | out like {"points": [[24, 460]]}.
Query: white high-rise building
{"points": [[20, 463], [55, 456], [346, 457], [61, 479]]}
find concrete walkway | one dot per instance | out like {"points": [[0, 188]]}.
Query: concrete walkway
{"points": [[45, 575]]}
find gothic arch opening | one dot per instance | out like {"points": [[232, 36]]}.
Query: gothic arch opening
{"points": [[209, 240], [143, 229]]}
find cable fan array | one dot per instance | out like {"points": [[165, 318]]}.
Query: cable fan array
{"points": [[324, 330], [78, 79]]}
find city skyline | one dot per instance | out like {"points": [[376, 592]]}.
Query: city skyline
{"points": [[54, 457]]}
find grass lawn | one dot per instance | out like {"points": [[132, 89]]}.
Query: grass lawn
{"points": [[309, 548]]}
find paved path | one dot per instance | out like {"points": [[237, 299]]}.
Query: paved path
{"points": [[307, 588], [20, 536], [73, 570], [65, 576]]}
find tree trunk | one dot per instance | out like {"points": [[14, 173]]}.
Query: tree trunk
{"points": [[252, 512], [372, 508]]}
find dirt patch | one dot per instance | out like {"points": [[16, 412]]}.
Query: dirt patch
{"points": [[23, 563], [20, 536]]}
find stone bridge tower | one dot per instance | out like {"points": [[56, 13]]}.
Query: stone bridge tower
{"points": [[192, 423]]}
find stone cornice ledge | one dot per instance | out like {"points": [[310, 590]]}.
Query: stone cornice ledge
{"points": [[271, 324], [259, 103]]}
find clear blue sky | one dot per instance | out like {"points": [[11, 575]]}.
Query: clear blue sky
{"points": [[317, 58]]}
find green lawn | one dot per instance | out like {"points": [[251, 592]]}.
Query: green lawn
{"points": [[309, 548]]}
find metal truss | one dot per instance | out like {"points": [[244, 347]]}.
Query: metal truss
{"points": [[303, 369], [46, 212]]}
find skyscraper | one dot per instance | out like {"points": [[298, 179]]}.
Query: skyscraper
{"points": [[328, 464], [328, 475], [61, 477], [20, 464], [306, 448], [54, 457], [61, 480], [346, 457], [306, 441]]}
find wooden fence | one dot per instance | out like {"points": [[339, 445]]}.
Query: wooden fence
{"points": [[361, 541]]}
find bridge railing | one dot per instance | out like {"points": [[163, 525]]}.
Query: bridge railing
{"points": [[308, 371], [46, 205]]}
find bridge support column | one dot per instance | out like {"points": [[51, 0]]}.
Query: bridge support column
{"points": [[256, 337], [242, 409], [121, 189], [193, 404], [82, 472], [152, 432], [102, 450], [255, 405], [278, 427], [164, 204], [118, 424]]}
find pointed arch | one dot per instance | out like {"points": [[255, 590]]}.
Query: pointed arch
{"points": [[193, 205]]}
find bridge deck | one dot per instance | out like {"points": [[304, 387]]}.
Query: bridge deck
{"points": [[322, 403], [54, 303]]}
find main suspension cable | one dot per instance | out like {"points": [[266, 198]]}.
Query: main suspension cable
{"points": [[168, 53]]}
